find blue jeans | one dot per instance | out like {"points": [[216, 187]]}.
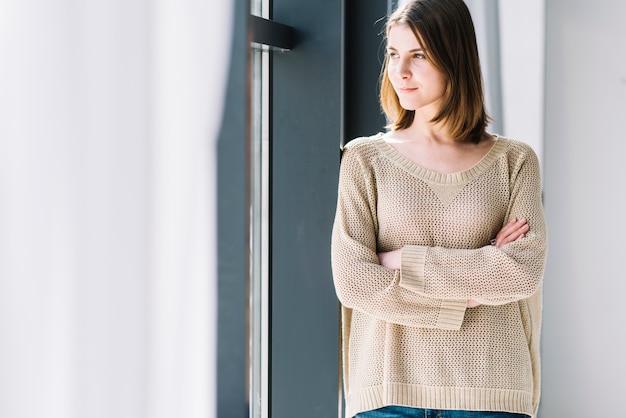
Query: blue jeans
{"points": [[405, 412]]}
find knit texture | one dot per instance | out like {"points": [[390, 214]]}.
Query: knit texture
{"points": [[408, 338]]}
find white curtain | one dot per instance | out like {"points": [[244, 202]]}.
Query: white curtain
{"points": [[109, 112]]}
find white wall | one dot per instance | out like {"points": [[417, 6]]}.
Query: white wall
{"points": [[511, 47], [584, 336], [522, 53]]}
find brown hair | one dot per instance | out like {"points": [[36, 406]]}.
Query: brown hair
{"points": [[445, 31]]}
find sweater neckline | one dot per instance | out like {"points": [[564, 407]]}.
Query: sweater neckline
{"points": [[436, 177]]}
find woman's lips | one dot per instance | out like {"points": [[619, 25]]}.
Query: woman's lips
{"points": [[406, 90]]}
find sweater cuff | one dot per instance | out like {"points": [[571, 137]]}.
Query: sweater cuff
{"points": [[412, 262], [413, 258], [451, 314]]}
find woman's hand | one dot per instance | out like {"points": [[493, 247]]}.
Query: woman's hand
{"points": [[391, 259], [513, 230]]}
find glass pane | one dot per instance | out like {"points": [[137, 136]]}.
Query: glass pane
{"points": [[259, 224]]}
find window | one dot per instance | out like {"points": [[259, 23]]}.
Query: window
{"points": [[294, 160], [278, 333]]}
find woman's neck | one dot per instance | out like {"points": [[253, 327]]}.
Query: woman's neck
{"points": [[434, 149], [422, 131]]}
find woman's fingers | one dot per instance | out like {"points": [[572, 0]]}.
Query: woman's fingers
{"points": [[472, 303], [511, 231]]}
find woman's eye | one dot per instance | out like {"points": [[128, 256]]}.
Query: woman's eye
{"points": [[393, 55], [419, 56]]}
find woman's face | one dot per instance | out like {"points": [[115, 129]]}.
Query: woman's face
{"points": [[417, 82]]}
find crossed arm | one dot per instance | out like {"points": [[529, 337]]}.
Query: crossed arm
{"points": [[511, 231]]}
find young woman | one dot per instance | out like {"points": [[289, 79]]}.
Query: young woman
{"points": [[439, 241]]}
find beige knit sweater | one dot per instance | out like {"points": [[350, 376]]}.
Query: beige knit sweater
{"points": [[408, 338]]}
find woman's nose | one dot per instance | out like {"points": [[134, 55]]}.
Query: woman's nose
{"points": [[403, 69]]}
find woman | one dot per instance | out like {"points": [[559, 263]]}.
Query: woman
{"points": [[439, 241]]}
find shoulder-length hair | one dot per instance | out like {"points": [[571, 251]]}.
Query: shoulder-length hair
{"points": [[445, 31]]}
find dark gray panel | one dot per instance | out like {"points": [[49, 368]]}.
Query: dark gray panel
{"points": [[305, 163], [232, 341], [364, 55]]}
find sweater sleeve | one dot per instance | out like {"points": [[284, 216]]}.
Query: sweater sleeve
{"points": [[490, 275], [360, 281]]}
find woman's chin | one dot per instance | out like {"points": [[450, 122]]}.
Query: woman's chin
{"points": [[408, 104]]}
